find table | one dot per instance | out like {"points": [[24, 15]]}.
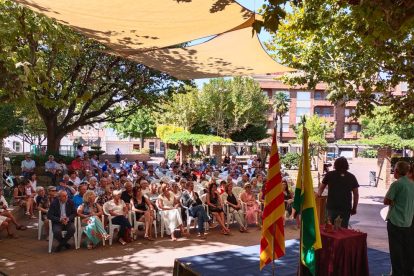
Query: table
{"points": [[321, 208], [343, 253]]}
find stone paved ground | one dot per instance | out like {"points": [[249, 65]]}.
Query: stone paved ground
{"points": [[29, 256]]}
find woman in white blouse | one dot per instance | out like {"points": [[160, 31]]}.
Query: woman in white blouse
{"points": [[170, 212], [118, 209]]}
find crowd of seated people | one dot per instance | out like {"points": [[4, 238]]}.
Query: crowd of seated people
{"points": [[147, 192]]}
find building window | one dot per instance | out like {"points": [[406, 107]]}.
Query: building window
{"points": [[347, 112], [327, 112], [301, 111], [152, 146], [16, 146], [325, 95], [346, 128], [318, 95], [161, 146], [285, 128], [303, 96], [354, 127], [317, 111], [135, 146]]}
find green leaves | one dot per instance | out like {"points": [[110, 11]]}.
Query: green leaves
{"points": [[187, 138]]}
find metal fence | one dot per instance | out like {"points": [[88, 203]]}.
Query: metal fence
{"points": [[63, 150]]}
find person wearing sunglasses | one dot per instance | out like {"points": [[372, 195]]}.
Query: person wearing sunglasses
{"points": [[28, 166], [107, 196]]}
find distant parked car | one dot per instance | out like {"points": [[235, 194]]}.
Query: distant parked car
{"points": [[346, 154], [160, 152], [332, 155]]}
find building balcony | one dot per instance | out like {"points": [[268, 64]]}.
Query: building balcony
{"points": [[321, 102], [351, 103], [328, 117], [352, 135], [350, 120]]}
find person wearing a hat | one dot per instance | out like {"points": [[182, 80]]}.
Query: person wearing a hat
{"points": [[63, 185], [51, 169]]}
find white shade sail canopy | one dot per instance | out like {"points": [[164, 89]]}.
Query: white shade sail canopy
{"points": [[235, 53], [145, 24]]}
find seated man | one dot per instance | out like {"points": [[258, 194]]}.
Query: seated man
{"points": [[191, 200], [127, 194], [105, 167], [78, 199], [28, 166], [63, 185], [51, 169], [62, 213], [95, 165]]}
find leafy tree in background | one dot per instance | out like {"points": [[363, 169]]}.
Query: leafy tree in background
{"points": [[141, 120], [251, 134], [352, 49], [68, 78], [229, 106], [281, 102], [394, 15], [384, 123]]}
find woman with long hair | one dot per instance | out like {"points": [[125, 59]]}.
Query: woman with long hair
{"points": [[143, 209], [235, 206], [216, 207]]}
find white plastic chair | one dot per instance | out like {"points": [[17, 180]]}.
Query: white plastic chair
{"points": [[111, 226], [138, 223], [160, 211], [80, 232], [75, 236], [237, 191], [190, 218]]}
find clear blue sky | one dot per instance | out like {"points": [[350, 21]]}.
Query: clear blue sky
{"points": [[263, 36]]}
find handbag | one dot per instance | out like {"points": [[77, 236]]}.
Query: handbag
{"points": [[127, 236]]}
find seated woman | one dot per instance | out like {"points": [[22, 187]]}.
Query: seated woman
{"points": [[118, 209], [5, 213], [90, 211], [288, 198], [21, 197], [139, 205], [255, 189], [260, 180], [235, 206], [107, 196], [253, 211], [61, 168], [202, 178], [176, 190], [215, 207], [42, 205], [170, 214]]}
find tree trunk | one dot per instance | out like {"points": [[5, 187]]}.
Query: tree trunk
{"points": [[335, 121], [1, 165], [281, 128]]}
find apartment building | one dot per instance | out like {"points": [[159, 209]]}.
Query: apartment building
{"points": [[310, 102]]}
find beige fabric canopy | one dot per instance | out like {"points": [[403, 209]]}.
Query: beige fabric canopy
{"points": [[145, 24], [234, 53]]}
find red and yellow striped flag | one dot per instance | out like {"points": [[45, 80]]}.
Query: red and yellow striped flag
{"points": [[274, 208]]}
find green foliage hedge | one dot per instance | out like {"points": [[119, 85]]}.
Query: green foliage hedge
{"points": [[194, 139], [145, 150], [171, 154], [368, 154], [291, 160], [394, 160], [392, 141], [41, 159]]}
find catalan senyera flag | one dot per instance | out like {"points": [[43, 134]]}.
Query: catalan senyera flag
{"points": [[311, 237], [274, 209]]}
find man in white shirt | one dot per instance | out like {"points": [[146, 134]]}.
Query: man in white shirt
{"points": [[118, 155], [250, 161]]}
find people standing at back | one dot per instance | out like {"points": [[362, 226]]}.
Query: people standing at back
{"points": [[400, 198], [342, 186]]}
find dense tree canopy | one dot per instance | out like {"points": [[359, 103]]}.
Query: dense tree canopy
{"points": [[352, 49], [68, 78]]}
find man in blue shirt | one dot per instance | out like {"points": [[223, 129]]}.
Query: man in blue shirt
{"points": [[28, 166], [78, 199], [50, 167], [63, 185]]}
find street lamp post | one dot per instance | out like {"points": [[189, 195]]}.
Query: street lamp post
{"points": [[324, 127], [24, 119], [140, 140]]}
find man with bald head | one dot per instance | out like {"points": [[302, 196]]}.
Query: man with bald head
{"points": [[244, 180], [62, 213]]}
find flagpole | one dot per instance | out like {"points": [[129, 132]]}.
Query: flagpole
{"points": [[274, 223], [303, 191]]}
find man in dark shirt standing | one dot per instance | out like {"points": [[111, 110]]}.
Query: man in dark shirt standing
{"points": [[342, 185]]}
